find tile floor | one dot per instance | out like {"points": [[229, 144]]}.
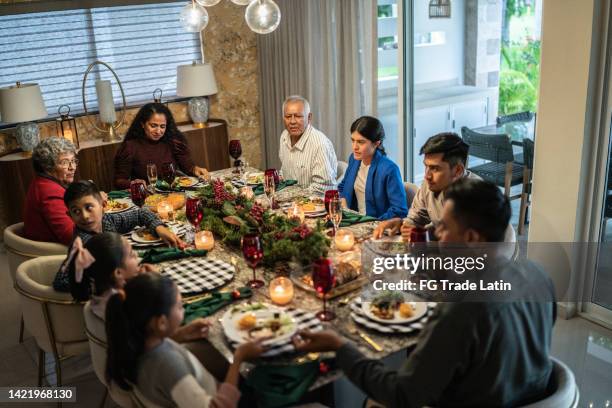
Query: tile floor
{"points": [[584, 346]]}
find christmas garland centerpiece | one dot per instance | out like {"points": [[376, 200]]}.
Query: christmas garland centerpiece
{"points": [[230, 216]]}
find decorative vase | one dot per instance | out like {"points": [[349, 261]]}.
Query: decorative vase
{"points": [[27, 136], [198, 111]]}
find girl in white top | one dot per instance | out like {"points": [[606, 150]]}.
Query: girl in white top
{"points": [[139, 321]]}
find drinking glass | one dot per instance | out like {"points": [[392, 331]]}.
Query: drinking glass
{"points": [[138, 193], [253, 253], [273, 173], [269, 188], [330, 195], [323, 280], [152, 173], [194, 212], [168, 172], [335, 213], [235, 151]]}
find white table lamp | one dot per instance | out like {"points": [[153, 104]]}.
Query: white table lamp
{"points": [[23, 103], [197, 80]]}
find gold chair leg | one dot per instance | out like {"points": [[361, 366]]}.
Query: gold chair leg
{"points": [[21, 328], [41, 366]]}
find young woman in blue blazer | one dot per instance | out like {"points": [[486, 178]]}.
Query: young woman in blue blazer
{"points": [[372, 183]]}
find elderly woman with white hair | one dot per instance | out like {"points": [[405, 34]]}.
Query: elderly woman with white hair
{"points": [[45, 215]]}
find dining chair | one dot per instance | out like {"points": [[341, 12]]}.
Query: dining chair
{"points": [[20, 249], [528, 150], [497, 150], [342, 166], [96, 336], [411, 190], [53, 318], [515, 117], [566, 393]]}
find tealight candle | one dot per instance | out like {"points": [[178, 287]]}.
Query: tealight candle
{"points": [[281, 290], [296, 212], [204, 240], [165, 210], [344, 240], [247, 192]]}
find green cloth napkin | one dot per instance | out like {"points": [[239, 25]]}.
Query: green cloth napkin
{"points": [[157, 255], [282, 385], [163, 185], [350, 218], [285, 183], [113, 195], [213, 303]]}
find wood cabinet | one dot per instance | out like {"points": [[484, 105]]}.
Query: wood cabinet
{"points": [[208, 148]]}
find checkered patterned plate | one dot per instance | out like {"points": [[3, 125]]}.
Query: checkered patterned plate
{"points": [[199, 274], [360, 317], [305, 321]]}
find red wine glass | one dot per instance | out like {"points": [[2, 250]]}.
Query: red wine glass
{"points": [[138, 193], [253, 253], [168, 172], [235, 151], [273, 173], [323, 280], [193, 211]]}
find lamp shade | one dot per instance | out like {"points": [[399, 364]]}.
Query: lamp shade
{"points": [[195, 80], [22, 103]]}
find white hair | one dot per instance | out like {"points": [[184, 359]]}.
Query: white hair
{"points": [[297, 98]]}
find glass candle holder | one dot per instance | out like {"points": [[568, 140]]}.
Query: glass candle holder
{"points": [[204, 240], [344, 240], [165, 210], [281, 290]]}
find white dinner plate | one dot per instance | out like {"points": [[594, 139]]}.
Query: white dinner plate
{"points": [[125, 201], [230, 319], [254, 179], [420, 308]]}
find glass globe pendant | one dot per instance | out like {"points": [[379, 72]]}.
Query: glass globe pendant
{"points": [[207, 3], [194, 18], [241, 2], [262, 16]]}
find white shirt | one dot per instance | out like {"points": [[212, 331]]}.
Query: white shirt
{"points": [[360, 187], [311, 161]]}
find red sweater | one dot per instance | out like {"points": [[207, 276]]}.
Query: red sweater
{"points": [[45, 215]]}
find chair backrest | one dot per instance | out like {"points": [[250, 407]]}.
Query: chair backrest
{"points": [[96, 335], [528, 151], [515, 117], [342, 166], [496, 148], [53, 318], [20, 249], [411, 190], [566, 393]]}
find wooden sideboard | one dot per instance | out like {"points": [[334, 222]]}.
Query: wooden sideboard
{"points": [[208, 148]]}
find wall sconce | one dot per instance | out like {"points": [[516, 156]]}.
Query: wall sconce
{"points": [[66, 126]]}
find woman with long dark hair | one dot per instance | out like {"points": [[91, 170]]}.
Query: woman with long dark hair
{"points": [[139, 322], [153, 138], [372, 183]]}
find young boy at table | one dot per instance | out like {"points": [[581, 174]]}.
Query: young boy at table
{"points": [[86, 209]]}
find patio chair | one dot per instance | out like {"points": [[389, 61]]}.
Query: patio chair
{"points": [[497, 150], [515, 117], [528, 149]]}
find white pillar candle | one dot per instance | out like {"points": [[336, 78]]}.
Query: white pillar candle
{"points": [[204, 240], [344, 240], [281, 290], [106, 104]]}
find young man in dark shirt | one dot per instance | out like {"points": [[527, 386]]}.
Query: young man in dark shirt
{"points": [[489, 351]]}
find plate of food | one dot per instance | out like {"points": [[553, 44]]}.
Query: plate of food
{"points": [[392, 308], [117, 205], [186, 181], [249, 322], [254, 179], [144, 236], [312, 205]]}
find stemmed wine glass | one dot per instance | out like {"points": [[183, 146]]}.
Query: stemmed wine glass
{"points": [[330, 195], [138, 193], [168, 172], [323, 280], [335, 213], [152, 174], [235, 151], [194, 212], [270, 188], [253, 253]]}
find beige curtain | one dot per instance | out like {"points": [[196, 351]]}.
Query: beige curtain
{"points": [[325, 50]]}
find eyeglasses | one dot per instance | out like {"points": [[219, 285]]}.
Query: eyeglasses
{"points": [[66, 163]]}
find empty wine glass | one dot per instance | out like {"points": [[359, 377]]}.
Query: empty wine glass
{"points": [[168, 172], [270, 188], [323, 280], [335, 213], [253, 253], [152, 173]]}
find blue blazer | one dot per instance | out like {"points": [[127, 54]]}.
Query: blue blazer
{"points": [[385, 196]]}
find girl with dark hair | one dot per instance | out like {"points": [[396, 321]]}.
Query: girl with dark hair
{"points": [[372, 183], [153, 137], [139, 322]]}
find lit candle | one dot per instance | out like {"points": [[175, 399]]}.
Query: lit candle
{"points": [[247, 192], [281, 290], [344, 240], [296, 212], [68, 134], [204, 240], [165, 210]]}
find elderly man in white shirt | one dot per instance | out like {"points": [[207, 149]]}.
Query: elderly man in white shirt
{"points": [[306, 154]]}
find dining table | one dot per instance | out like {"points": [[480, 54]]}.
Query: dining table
{"points": [[373, 344]]}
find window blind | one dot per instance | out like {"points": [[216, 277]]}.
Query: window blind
{"points": [[143, 44]]}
